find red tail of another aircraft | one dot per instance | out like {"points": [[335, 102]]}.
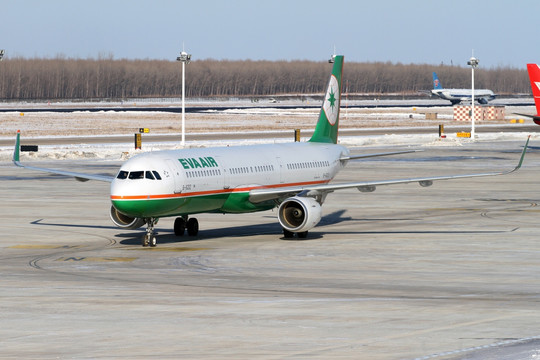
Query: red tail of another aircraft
{"points": [[534, 76]]}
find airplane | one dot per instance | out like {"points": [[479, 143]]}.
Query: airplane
{"points": [[294, 177], [534, 77], [456, 96]]}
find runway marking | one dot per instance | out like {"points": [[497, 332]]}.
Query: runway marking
{"points": [[97, 259], [460, 209], [38, 246], [481, 347], [442, 328]]}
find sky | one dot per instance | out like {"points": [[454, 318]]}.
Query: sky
{"points": [[498, 32]]}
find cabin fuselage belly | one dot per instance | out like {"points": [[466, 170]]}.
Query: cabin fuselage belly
{"points": [[220, 179]]}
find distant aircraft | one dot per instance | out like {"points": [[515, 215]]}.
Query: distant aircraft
{"points": [[294, 177], [455, 96], [534, 77]]}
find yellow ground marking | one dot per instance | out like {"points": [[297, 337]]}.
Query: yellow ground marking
{"points": [[455, 209], [96, 259], [44, 246]]}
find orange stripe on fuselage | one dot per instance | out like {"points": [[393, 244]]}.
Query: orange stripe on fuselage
{"points": [[213, 192]]}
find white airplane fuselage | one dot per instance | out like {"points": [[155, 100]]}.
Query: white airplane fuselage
{"points": [[219, 179], [459, 95]]}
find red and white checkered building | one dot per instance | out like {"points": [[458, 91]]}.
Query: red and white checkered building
{"points": [[462, 113]]}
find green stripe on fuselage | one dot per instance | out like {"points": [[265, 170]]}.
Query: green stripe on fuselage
{"points": [[176, 206]]}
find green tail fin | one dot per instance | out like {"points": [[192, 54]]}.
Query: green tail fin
{"points": [[17, 149], [326, 130]]}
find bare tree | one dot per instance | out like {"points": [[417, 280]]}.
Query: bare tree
{"points": [[105, 77]]}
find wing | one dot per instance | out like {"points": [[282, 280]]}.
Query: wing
{"points": [[352, 157], [259, 195], [78, 176], [536, 118], [425, 92]]}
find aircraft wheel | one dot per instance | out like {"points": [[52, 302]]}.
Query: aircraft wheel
{"points": [[146, 240], [287, 234], [302, 235], [179, 226], [153, 241], [192, 227]]}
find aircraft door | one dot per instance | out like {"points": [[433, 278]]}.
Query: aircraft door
{"points": [[174, 172], [225, 171], [278, 166]]}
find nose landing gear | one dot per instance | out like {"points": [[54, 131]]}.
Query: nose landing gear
{"points": [[150, 236]]}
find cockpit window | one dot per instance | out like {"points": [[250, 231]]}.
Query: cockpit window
{"points": [[136, 175], [122, 175]]}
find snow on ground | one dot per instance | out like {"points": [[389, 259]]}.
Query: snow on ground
{"points": [[261, 101], [241, 120], [116, 152]]}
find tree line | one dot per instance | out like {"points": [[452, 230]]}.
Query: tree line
{"points": [[107, 78]]}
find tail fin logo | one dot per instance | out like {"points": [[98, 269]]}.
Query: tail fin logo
{"points": [[331, 101]]}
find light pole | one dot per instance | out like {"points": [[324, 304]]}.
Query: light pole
{"points": [[473, 62], [185, 58], [2, 52]]}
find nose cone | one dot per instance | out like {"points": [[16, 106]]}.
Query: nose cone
{"points": [[118, 188], [126, 199], [143, 188]]}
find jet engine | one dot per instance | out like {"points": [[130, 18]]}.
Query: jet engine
{"points": [[124, 221], [298, 214]]}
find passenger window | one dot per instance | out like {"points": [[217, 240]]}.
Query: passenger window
{"points": [[136, 175], [122, 175]]}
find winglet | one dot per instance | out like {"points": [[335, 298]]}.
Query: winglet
{"points": [[522, 154], [520, 159], [16, 151]]}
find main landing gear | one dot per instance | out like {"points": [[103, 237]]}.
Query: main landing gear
{"points": [[289, 234], [183, 223], [180, 226]]}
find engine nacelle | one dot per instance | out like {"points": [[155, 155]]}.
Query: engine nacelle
{"points": [[298, 214], [482, 101], [124, 221]]}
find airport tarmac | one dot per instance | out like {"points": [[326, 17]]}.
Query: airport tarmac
{"points": [[445, 272]]}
